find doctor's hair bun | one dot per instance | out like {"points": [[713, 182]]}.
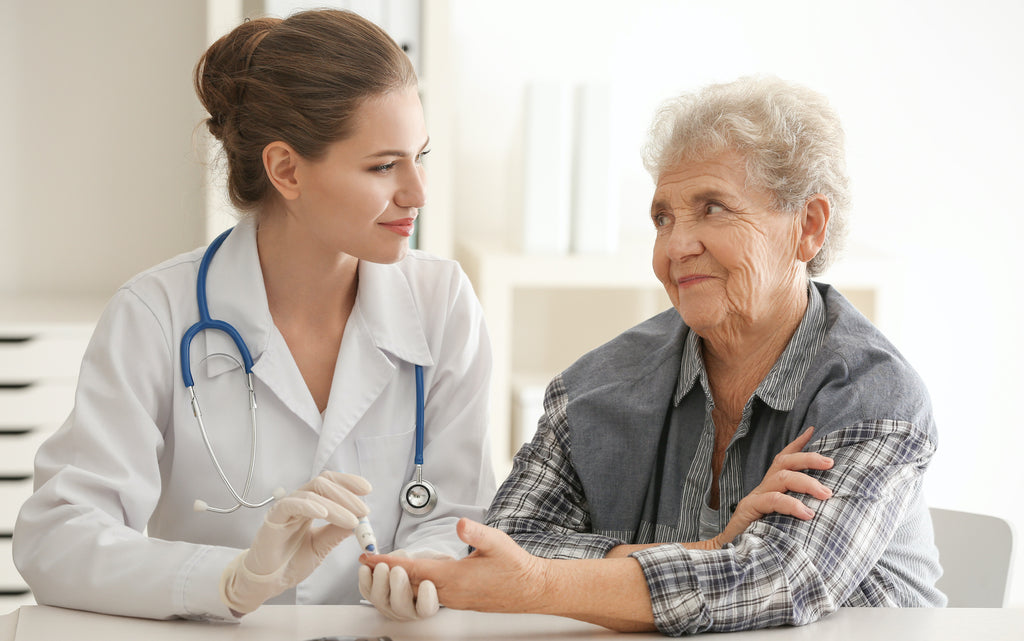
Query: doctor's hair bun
{"points": [[300, 81], [221, 72]]}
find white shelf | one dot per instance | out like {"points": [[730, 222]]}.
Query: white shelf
{"points": [[499, 275], [621, 270], [43, 340], [17, 312]]}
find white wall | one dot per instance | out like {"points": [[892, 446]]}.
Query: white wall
{"points": [[100, 178], [930, 94], [98, 175]]}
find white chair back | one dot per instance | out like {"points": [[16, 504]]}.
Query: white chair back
{"points": [[976, 553]]}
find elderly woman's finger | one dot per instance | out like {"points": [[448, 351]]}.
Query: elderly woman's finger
{"points": [[790, 481], [799, 442], [754, 506], [801, 461]]}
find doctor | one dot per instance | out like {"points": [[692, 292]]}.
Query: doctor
{"points": [[324, 138]]}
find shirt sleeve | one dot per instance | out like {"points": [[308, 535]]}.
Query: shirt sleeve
{"points": [[541, 504], [786, 571]]}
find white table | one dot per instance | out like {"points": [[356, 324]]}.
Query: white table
{"points": [[298, 623]]}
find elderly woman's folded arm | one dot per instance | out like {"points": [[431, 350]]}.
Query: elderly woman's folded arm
{"points": [[787, 571]]}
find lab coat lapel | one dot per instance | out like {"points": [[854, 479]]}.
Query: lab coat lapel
{"points": [[277, 370], [360, 375], [384, 329]]}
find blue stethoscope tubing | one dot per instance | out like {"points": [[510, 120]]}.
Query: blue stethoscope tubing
{"points": [[419, 415], [418, 497], [207, 323]]}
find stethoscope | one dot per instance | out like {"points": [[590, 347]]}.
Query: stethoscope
{"points": [[417, 498]]}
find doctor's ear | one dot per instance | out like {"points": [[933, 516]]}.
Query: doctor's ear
{"points": [[280, 161]]}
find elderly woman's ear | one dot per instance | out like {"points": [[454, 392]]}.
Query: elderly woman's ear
{"points": [[814, 221]]}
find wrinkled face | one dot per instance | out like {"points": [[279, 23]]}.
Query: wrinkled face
{"points": [[725, 257], [362, 198]]}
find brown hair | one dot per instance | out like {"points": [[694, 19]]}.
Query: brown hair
{"points": [[299, 81]]}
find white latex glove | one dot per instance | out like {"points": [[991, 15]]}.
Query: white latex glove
{"points": [[389, 590], [287, 548]]}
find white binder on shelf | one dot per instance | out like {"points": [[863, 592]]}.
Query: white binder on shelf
{"points": [[547, 169], [594, 223]]}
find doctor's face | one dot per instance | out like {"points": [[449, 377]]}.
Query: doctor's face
{"points": [[362, 198]]}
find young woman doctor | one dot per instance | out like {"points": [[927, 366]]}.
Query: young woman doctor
{"points": [[324, 136]]}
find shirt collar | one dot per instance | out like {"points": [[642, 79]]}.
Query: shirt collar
{"points": [[692, 368], [780, 387]]}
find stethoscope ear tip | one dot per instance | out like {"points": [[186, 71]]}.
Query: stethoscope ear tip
{"points": [[279, 493], [200, 505]]}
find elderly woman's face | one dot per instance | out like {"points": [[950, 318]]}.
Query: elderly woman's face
{"points": [[725, 257]]}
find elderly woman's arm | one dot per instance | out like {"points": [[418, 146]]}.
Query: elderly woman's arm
{"points": [[781, 571], [502, 577], [774, 495], [786, 571], [499, 576]]}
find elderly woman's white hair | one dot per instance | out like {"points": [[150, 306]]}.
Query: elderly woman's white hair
{"points": [[791, 138]]}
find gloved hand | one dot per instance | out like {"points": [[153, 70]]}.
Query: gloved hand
{"points": [[287, 548], [389, 590]]}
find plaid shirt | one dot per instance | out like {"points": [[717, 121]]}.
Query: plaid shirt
{"points": [[863, 547]]}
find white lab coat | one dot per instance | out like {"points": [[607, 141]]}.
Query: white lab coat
{"points": [[130, 455]]}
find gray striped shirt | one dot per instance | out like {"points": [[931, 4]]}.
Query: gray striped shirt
{"points": [[778, 390]]}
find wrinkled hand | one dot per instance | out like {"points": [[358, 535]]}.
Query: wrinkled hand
{"points": [[783, 476], [390, 591], [287, 548], [499, 576]]}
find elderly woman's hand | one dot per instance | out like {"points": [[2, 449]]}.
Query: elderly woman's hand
{"points": [[784, 475], [499, 576]]}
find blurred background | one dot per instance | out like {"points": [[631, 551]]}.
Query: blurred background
{"points": [[537, 111]]}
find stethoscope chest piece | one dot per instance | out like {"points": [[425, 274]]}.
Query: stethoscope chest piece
{"points": [[418, 497]]}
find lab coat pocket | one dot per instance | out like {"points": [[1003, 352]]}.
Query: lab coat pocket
{"points": [[387, 462]]}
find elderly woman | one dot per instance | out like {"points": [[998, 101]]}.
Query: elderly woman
{"points": [[675, 481]]}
